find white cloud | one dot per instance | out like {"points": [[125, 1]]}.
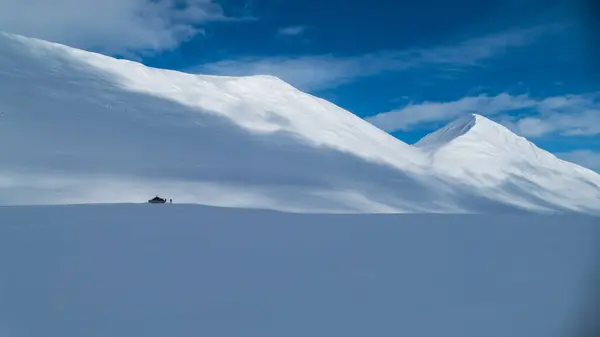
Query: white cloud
{"points": [[292, 31], [575, 120], [533, 127], [110, 26], [585, 158], [307, 73], [568, 115], [316, 72], [427, 112]]}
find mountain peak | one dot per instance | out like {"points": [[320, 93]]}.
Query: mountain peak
{"points": [[476, 139], [477, 136], [469, 124]]}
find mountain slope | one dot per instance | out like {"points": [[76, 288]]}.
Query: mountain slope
{"points": [[487, 155], [82, 127]]}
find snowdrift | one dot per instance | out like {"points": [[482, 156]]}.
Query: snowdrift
{"points": [[80, 127]]}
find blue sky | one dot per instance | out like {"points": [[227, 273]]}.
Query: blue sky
{"points": [[409, 67]]}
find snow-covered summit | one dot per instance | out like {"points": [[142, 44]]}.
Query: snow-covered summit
{"points": [[480, 135], [476, 135], [484, 154], [451, 131], [473, 128], [84, 127]]}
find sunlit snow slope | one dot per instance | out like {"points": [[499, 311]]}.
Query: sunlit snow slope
{"points": [[79, 127], [488, 156]]}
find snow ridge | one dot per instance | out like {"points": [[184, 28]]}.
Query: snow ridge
{"points": [[450, 132], [86, 128]]}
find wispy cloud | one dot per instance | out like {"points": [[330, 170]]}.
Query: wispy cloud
{"points": [[567, 115], [315, 72], [111, 26], [585, 158], [292, 31], [307, 73], [414, 115]]}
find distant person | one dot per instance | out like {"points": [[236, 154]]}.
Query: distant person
{"points": [[170, 201]]}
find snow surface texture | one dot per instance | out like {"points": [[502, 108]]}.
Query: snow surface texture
{"points": [[481, 153], [80, 127], [189, 270]]}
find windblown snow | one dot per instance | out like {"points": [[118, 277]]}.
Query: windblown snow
{"points": [[80, 127]]}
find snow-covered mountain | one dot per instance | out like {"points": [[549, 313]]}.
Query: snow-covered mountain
{"points": [[486, 155], [82, 127]]}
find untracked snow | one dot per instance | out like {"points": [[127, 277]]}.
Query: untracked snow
{"points": [[189, 271], [488, 156], [80, 127]]}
